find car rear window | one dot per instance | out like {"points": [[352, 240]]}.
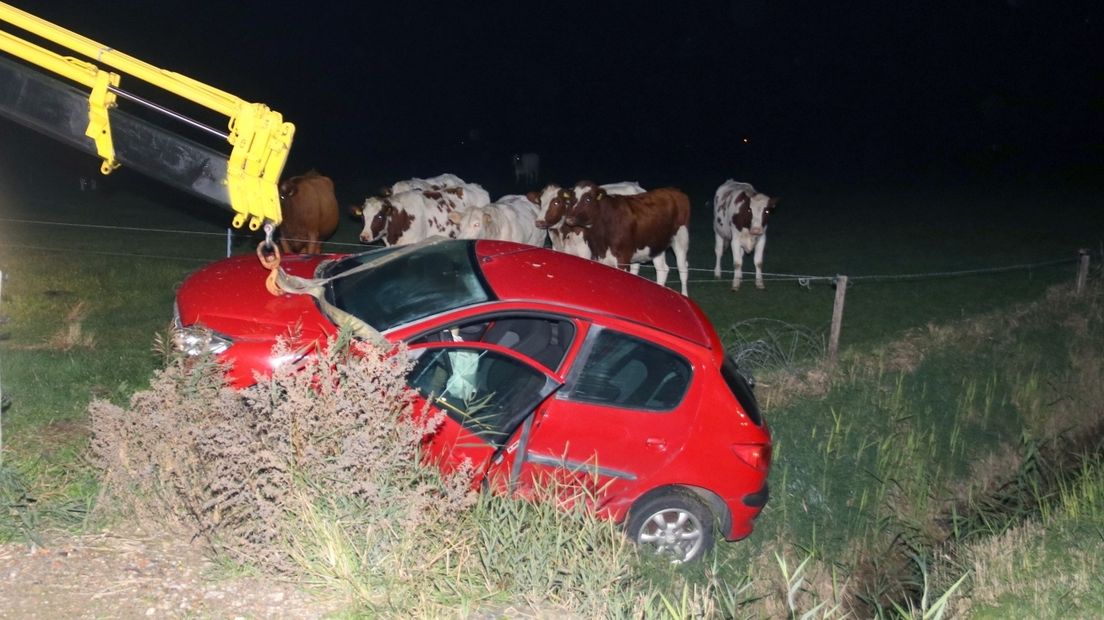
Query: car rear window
{"points": [[628, 372], [420, 283], [741, 389]]}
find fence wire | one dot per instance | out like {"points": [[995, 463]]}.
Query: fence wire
{"points": [[803, 280]]}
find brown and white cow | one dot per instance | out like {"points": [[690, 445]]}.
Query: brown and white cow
{"points": [[440, 181], [555, 202], [410, 216], [309, 212], [552, 199], [740, 216], [623, 231], [448, 190]]}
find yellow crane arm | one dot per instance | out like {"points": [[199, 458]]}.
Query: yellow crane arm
{"points": [[259, 136]]}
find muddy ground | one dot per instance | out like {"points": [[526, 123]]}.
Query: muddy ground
{"points": [[135, 574]]}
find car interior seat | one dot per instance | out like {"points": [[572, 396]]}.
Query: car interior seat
{"points": [[536, 338]]}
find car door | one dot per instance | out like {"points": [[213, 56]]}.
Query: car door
{"points": [[624, 414], [483, 392]]}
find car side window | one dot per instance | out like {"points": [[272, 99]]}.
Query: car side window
{"points": [[544, 339], [485, 391], [628, 372]]}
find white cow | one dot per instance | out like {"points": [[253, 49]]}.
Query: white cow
{"points": [[740, 216], [440, 181], [526, 167], [510, 218], [409, 217], [469, 194]]}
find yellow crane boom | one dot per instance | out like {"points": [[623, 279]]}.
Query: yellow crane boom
{"points": [[246, 180]]}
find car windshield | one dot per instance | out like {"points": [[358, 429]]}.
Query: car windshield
{"points": [[413, 285]]}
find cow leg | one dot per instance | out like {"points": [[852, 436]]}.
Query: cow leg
{"points": [[737, 263], [634, 268], [659, 261], [681, 246], [285, 245], [760, 246], [718, 252]]}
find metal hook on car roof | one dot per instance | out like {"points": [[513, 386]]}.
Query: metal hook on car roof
{"points": [[269, 255], [269, 230]]}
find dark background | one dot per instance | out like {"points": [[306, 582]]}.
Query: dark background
{"points": [[866, 92]]}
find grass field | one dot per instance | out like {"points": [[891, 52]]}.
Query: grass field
{"points": [[946, 389]]}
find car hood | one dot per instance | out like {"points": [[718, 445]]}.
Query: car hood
{"points": [[230, 298]]}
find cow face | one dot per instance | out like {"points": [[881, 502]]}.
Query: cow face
{"points": [[560, 204], [288, 188], [473, 223], [751, 213], [544, 202], [582, 214], [375, 212]]}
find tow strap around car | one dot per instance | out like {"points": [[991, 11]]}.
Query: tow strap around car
{"points": [[280, 282]]}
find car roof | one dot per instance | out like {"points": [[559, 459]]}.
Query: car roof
{"points": [[518, 272]]}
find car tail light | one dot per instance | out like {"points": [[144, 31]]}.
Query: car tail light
{"points": [[757, 455]]}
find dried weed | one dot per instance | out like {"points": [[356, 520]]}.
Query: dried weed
{"points": [[235, 466]]}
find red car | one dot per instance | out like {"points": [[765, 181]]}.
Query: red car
{"points": [[545, 364]]}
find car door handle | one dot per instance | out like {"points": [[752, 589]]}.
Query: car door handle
{"points": [[656, 444]]}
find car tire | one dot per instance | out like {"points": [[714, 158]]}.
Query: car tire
{"points": [[674, 523]]}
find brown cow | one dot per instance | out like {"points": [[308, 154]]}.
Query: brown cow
{"points": [[623, 231], [310, 212]]}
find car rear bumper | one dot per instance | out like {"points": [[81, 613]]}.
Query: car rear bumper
{"points": [[744, 511]]}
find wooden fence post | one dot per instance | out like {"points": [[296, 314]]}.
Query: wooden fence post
{"points": [[1082, 272], [837, 319]]}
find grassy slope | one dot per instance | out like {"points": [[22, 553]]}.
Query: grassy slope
{"points": [[1049, 568]]}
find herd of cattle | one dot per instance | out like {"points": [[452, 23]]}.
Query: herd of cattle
{"points": [[619, 224]]}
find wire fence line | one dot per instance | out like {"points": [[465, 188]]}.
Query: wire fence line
{"points": [[39, 248], [203, 233], [803, 280]]}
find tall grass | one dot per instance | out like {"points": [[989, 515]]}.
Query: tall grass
{"points": [[936, 440]]}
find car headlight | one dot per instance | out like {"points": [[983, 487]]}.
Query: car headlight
{"points": [[199, 341]]}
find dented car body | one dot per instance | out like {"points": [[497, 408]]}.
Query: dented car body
{"points": [[546, 365]]}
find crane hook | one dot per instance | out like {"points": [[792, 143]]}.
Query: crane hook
{"points": [[269, 255]]}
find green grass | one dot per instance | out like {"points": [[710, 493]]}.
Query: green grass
{"points": [[1048, 568]]}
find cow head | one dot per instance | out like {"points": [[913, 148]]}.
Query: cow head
{"points": [[288, 188], [375, 212], [474, 223], [751, 213], [582, 214], [544, 202], [560, 204]]}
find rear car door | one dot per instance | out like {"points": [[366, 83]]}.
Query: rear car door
{"points": [[620, 420]]}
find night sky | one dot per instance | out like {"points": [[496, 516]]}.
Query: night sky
{"points": [[649, 91]]}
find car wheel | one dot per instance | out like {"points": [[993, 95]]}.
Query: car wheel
{"points": [[673, 523]]}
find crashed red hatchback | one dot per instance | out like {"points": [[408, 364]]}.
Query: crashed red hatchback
{"points": [[545, 364]]}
